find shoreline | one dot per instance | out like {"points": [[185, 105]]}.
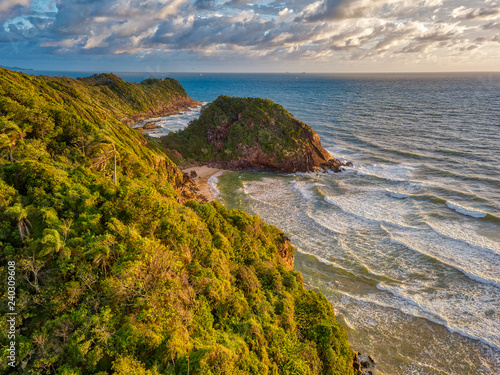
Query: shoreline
{"points": [[201, 176], [177, 106]]}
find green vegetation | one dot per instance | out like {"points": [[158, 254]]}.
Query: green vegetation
{"points": [[229, 127], [114, 275]]}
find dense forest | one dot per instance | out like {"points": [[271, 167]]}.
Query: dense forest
{"points": [[118, 272]]}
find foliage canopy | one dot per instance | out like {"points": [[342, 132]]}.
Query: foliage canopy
{"points": [[120, 278], [230, 125]]}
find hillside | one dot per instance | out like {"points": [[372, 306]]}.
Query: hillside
{"points": [[119, 268], [251, 133]]}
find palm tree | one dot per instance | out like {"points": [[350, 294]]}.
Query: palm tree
{"points": [[20, 214], [10, 135], [107, 150], [51, 242]]}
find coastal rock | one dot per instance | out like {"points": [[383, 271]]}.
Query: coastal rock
{"points": [[356, 365], [251, 133], [285, 250], [148, 127], [188, 190], [362, 364], [177, 105]]}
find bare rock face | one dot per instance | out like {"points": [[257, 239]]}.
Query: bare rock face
{"points": [[251, 133], [285, 250], [182, 183], [188, 190]]}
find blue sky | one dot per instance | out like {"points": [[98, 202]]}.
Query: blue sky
{"points": [[251, 36]]}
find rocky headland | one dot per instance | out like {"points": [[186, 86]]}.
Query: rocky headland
{"points": [[178, 105], [251, 133]]}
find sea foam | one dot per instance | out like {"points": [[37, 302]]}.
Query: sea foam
{"points": [[376, 206], [465, 211], [398, 195], [213, 182], [472, 261], [389, 172]]}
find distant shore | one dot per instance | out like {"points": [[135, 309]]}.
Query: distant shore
{"points": [[178, 106], [203, 174]]}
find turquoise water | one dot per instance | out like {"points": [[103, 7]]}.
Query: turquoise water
{"points": [[406, 244]]}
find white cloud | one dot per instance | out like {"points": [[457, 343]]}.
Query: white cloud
{"points": [[6, 5], [489, 13], [283, 14]]}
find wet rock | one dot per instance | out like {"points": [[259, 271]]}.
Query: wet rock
{"points": [[150, 125], [356, 365], [363, 364]]}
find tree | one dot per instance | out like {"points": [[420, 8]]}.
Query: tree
{"points": [[105, 151], [11, 134], [20, 214]]}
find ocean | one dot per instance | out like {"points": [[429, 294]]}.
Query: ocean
{"points": [[406, 243]]}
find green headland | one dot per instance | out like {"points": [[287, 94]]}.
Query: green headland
{"points": [[251, 133]]}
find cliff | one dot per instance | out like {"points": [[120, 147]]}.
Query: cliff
{"points": [[251, 133], [117, 269]]}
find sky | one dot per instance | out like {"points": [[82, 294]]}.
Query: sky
{"points": [[328, 36]]}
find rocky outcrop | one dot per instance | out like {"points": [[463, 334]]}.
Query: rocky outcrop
{"points": [[314, 158], [188, 190], [147, 127], [285, 250], [251, 133], [178, 105], [363, 364]]}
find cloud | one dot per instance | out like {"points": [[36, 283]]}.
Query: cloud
{"points": [[339, 10], [10, 9], [339, 30], [204, 4], [440, 36], [463, 13], [7, 5], [284, 13], [395, 34], [492, 26]]}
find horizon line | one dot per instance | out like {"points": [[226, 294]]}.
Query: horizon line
{"points": [[26, 70]]}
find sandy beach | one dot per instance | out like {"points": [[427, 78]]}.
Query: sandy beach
{"points": [[203, 174]]}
